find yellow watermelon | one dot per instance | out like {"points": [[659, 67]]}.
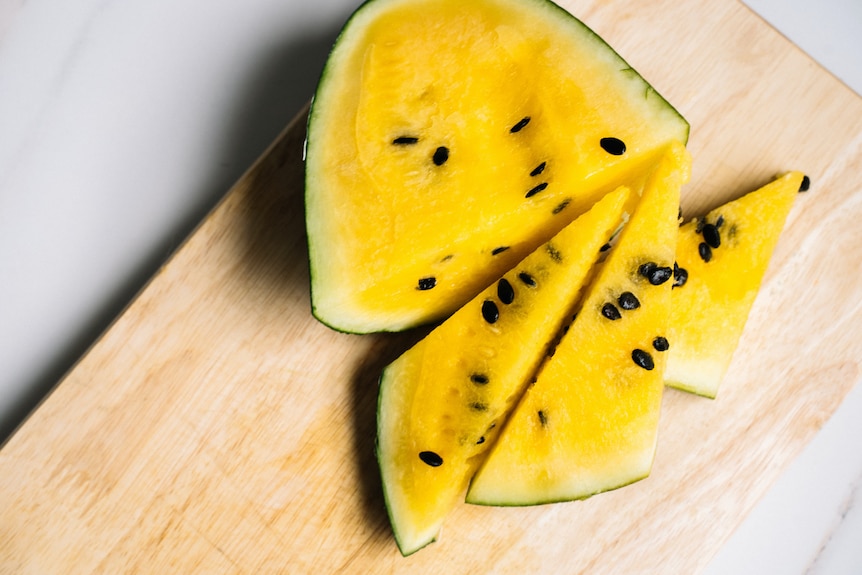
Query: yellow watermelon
{"points": [[720, 262], [447, 139], [589, 422], [440, 403]]}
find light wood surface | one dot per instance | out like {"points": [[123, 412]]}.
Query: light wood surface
{"points": [[216, 427]]}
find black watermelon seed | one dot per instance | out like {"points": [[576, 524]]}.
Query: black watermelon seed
{"points": [[431, 458], [705, 251], [479, 406], [543, 418], [613, 146], [643, 359], [647, 269], [505, 291], [481, 440], [719, 221], [479, 379], [441, 154], [605, 247], [805, 185], [538, 169], [490, 311], [527, 279], [405, 140], [711, 236], [426, 283], [628, 301], [561, 206], [520, 125], [660, 343], [611, 312], [499, 250], [656, 274], [536, 190], [660, 275], [680, 275]]}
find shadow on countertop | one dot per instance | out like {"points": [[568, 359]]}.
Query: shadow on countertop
{"points": [[278, 87]]}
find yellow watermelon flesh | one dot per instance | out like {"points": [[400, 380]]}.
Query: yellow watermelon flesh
{"points": [[448, 139], [721, 260], [440, 403], [589, 422]]}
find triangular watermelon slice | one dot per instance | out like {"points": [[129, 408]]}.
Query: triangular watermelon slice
{"points": [[589, 422], [721, 259], [441, 403]]}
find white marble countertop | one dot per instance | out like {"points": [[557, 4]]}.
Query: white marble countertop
{"points": [[122, 123]]}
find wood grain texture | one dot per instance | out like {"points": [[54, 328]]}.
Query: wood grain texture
{"points": [[216, 427]]}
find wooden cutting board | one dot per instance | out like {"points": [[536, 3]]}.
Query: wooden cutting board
{"points": [[218, 428]]}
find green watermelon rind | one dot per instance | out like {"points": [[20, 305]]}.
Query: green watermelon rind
{"points": [[383, 386], [552, 500]]}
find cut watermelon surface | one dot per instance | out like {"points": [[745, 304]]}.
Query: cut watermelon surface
{"points": [[441, 403], [448, 139], [589, 423]]}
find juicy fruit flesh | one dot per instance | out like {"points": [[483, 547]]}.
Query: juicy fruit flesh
{"points": [[386, 208], [440, 407], [710, 310], [589, 422]]}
